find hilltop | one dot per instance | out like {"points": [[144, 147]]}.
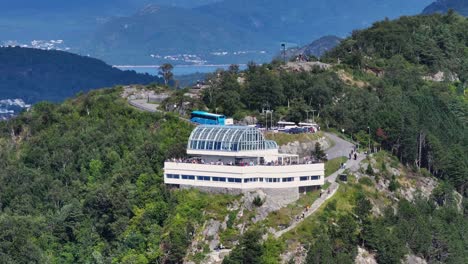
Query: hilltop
{"points": [[82, 181], [436, 43], [36, 75], [442, 6]]}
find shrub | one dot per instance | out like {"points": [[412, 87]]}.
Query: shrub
{"points": [[394, 185], [425, 172], [384, 167], [369, 170], [257, 201], [366, 181]]}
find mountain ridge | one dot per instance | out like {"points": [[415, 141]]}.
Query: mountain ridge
{"points": [[233, 26], [38, 75], [443, 6]]}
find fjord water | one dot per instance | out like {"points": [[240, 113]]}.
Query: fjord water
{"points": [[178, 69]]}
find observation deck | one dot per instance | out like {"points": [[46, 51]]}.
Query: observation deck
{"points": [[239, 157]]}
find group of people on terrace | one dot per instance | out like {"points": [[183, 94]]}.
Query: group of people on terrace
{"points": [[241, 163]]}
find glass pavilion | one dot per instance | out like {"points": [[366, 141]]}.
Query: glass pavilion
{"points": [[229, 138]]}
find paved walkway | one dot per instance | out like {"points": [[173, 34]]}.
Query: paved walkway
{"points": [[353, 165], [341, 148]]}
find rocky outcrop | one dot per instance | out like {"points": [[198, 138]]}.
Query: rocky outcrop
{"points": [[303, 149], [419, 186], [306, 66], [413, 259], [298, 255], [441, 77], [132, 92], [364, 257], [273, 200]]}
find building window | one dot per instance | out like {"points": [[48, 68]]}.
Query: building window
{"points": [[288, 179], [172, 176], [251, 180], [237, 180], [304, 178], [272, 179], [188, 177], [219, 179], [314, 178], [203, 178]]}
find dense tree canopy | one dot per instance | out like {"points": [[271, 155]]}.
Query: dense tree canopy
{"points": [[81, 182]]}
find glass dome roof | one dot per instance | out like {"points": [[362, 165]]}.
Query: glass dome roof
{"points": [[228, 138]]}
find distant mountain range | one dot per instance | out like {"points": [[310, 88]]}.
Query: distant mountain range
{"points": [[235, 30], [34, 75], [225, 31], [73, 21], [442, 6]]}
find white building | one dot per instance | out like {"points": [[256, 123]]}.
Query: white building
{"points": [[239, 158]]}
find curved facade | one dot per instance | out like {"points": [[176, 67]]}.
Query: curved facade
{"points": [[228, 138]]}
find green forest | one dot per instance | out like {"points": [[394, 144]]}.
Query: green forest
{"points": [[37, 75], [423, 122], [82, 181]]}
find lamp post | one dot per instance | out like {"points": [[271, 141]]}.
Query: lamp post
{"points": [[368, 130], [266, 118], [271, 118], [307, 111], [283, 45]]}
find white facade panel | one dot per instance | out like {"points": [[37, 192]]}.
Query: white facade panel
{"points": [[250, 177]]}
